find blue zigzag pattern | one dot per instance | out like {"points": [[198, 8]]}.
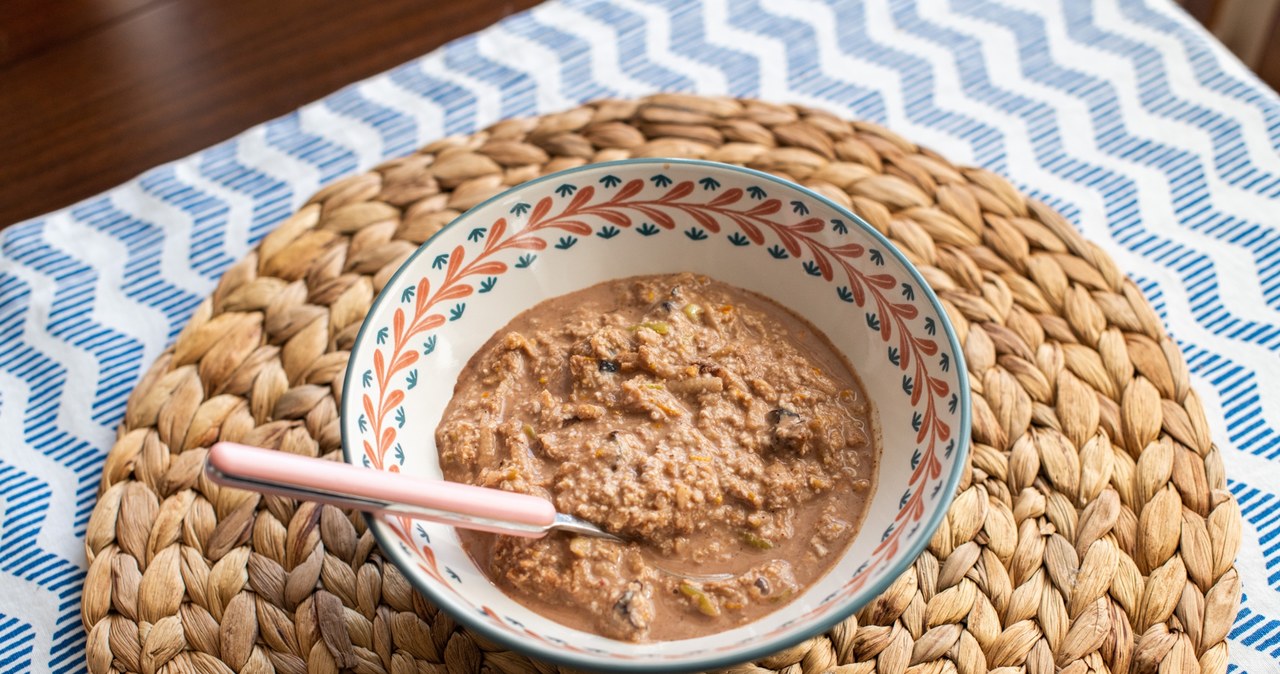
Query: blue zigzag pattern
{"points": [[457, 104], [398, 130], [208, 215], [60, 314], [1185, 175], [804, 72], [518, 88], [1207, 66], [331, 159], [922, 106], [688, 39], [630, 29], [270, 196], [573, 56], [1231, 155]]}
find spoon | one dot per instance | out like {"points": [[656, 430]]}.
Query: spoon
{"points": [[387, 493], [383, 492]]}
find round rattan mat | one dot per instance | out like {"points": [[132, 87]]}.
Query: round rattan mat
{"points": [[1093, 532]]}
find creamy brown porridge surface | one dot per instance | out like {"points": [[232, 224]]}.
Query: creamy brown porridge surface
{"points": [[719, 434]]}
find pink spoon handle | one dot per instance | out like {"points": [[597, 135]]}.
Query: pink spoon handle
{"points": [[377, 491]]}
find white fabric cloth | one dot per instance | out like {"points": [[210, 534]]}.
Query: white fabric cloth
{"points": [[1123, 114]]}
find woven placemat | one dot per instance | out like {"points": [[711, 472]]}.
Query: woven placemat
{"points": [[1093, 532]]}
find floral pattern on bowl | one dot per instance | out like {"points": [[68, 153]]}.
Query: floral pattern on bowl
{"points": [[571, 230]]}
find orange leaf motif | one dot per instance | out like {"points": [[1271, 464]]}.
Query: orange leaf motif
{"points": [[680, 191], [540, 210], [730, 196], [629, 190], [580, 199]]}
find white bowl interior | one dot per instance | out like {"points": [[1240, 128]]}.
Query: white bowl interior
{"points": [[878, 313]]}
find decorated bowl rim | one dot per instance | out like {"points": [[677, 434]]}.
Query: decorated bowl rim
{"points": [[837, 613]]}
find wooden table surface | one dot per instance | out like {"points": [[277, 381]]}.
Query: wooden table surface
{"points": [[93, 92]]}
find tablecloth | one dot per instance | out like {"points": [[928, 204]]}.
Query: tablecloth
{"points": [[1123, 114]]}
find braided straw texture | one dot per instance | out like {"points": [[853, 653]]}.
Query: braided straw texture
{"points": [[1092, 533]]}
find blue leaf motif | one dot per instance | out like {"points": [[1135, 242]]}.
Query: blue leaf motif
{"points": [[566, 189], [839, 226], [525, 261], [400, 418], [453, 575], [945, 362], [647, 229], [811, 267], [778, 252], [873, 321], [607, 232], [894, 356], [365, 459], [661, 180], [488, 284], [845, 294], [916, 421], [885, 535], [367, 378], [930, 327], [915, 459], [382, 336], [877, 257], [738, 239], [520, 209], [423, 533], [407, 294], [399, 452], [566, 242], [610, 181], [799, 208], [363, 424], [908, 384], [936, 488], [902, 502], [456, 312], [429, 345], [476, 234], [952, 403], [951, 447], [709, 183], [441, 260], [756, 192], [411, 380], [695, 234], [908, 292]]}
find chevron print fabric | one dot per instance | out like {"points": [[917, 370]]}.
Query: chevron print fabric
{"points": [[1122, 114]]}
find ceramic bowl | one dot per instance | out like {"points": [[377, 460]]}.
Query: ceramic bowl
{"points": [[580, 227]]}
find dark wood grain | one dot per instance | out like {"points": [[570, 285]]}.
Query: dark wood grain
{"points": [[95, 93], [30, 27], [1213, 14], [1202, 10], [1269, 65]]}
